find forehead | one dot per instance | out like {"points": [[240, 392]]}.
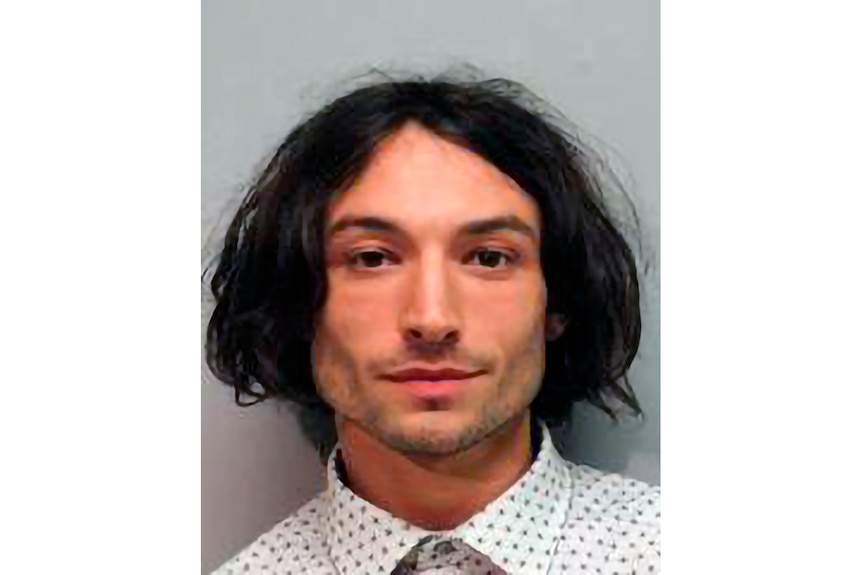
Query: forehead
{"points": [[419, 179]]}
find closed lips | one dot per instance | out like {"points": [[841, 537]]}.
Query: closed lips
{"points": [[431, 375]]}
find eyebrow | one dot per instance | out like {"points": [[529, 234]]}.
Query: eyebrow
{"points": [[473, 228]]}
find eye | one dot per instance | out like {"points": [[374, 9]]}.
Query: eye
{"points": [[490, 258], [369, 258]]}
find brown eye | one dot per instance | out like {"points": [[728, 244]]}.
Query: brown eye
{"points": [[368, 259], [490, 258]]}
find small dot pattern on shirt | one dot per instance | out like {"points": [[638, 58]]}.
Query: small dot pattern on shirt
{"points": [[558, 518]]}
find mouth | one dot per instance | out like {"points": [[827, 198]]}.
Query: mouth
{"points": [[434, 384], [419, 375]]}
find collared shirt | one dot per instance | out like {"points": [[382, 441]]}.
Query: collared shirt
{"points": [[559, 517]]}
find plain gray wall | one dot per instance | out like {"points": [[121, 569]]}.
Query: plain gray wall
{"points": [[266, 63]]}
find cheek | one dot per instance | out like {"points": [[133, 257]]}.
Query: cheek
{"points": [[509, 314], [358, 312], [513, 322], [335, 363], [357, 321]]}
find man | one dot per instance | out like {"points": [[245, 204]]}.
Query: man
{"points": [[428, 270]]}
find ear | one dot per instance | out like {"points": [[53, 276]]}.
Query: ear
{"points": [[555, 325]]}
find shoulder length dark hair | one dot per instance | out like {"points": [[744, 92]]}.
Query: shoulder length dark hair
{"points": [[269, 280]]}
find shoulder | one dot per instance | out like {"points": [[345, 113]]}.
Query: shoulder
{"points": [[619, 513], [624, 498], [296, 539]]}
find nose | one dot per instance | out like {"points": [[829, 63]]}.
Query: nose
{"points": [[431, 315]]}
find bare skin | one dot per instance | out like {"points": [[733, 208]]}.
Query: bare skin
{"points": [[432, 492], [433, 263]]}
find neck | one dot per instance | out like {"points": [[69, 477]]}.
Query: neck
{"points": [[435, 493]]}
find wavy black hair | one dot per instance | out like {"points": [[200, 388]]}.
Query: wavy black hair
{"points": [[269, 280]]}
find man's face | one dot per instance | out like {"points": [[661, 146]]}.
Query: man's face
{"points": [[432, 335]]}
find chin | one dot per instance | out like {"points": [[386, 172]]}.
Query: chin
{"points": [[434, 433]]}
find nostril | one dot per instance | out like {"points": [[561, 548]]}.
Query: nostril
{"points": [[431, 337]]}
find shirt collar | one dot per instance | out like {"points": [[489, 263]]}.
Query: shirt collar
{"points": [[365, 539]]}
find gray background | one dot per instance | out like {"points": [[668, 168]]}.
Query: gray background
{"points": [[267, 63]]}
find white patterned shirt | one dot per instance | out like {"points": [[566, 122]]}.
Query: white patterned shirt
{"points": [[559, 517]]}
